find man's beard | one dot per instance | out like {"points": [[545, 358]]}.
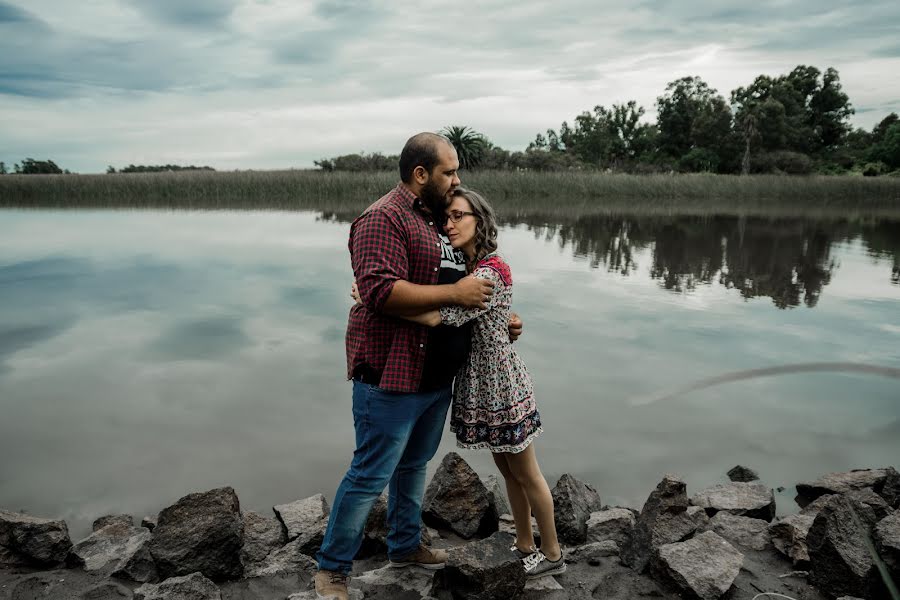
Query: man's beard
{"points": [[433, 198]]}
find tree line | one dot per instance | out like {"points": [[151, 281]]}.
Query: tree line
{"points": [[796, 124]]}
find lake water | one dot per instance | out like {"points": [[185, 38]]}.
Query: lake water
{"points": [[147, 354]]}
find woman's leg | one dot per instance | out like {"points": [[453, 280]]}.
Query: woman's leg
{"points": [[524, 468], [518, 502]]}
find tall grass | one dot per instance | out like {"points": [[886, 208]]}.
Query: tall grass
{"points": [[511, 192]]}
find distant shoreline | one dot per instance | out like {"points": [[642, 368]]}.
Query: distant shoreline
{"points": [[526, 192]]}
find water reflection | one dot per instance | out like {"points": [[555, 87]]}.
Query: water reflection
{"points": [[787, 260]]}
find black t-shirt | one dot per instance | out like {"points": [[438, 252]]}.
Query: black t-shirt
{"points": [[448, 346]]}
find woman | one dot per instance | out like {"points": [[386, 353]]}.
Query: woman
{"points": [[493, 398]]}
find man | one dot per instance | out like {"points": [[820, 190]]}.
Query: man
{"points": [[402, 372]]}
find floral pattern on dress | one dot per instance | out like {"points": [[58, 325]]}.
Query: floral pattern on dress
{"points": [[493, 398]]}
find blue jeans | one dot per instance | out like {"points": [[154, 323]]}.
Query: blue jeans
{"points": [[396, 435]]}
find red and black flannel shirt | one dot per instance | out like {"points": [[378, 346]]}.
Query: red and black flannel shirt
{"points": [[392, 239]]}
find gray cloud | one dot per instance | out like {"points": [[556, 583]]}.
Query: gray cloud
{"points": [[196, 13]]}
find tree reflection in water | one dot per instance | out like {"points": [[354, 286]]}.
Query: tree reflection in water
{"points": [[786, 259]]}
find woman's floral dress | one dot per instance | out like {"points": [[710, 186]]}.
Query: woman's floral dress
{"points": [[493, 399]]}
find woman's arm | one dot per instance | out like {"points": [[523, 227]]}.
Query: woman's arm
{"points": [[457, 315]]}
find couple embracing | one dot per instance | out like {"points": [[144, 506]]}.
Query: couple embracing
{"points": [[433, 306]]}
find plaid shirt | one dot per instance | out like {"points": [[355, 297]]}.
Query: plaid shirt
{"points": [[393, 239]]}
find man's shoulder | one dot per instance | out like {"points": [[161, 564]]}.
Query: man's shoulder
{"points": [[397, 202]]}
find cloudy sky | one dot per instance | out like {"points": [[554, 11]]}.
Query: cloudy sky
{"points": [[271, 84]]}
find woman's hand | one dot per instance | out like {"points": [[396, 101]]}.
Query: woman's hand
{"points": [[354, 293], [515, 327]]}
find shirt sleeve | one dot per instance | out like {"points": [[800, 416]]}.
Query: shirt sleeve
{"points": [[457, 315], [379, 257]]}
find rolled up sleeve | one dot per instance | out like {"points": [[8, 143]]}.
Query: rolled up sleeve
{"points": [[378, 256]]}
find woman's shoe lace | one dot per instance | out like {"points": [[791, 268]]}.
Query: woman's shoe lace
{"points": [[533, 560]]}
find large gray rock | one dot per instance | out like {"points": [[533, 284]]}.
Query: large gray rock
{"points": [[890, 490], [106, 521], [118, 549], [305, 520], [573, 503], [841, 483], [390, 582], [663, 520], [287, 559], [202, 532], [27, 540], [741, 473], [613, 524], [495, 487], [457, 499], [189, 587], [753, 500], [741, 531], [484, 570], [816, 505], [704, 567], [591, 552], [878, 504], [789, 537], [108, 590], [262, 536], [840, 560], [887, 543]]}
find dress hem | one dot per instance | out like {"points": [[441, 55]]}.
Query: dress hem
{"points": [[498, 449]]}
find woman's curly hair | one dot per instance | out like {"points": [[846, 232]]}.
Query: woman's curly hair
{"points": [[485, 226]]}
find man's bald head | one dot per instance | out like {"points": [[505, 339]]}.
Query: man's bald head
{"points": [[420, 150]]}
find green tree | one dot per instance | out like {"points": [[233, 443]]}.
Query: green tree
{"points": [[887, 151], [608, 137], [3, 170], [38, 167], [470, 145]]}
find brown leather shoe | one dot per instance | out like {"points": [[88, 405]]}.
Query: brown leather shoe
{"points": [[331, 585], [423, 557]]}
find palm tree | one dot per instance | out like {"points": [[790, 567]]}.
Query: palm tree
{"points": [[470, 145]]}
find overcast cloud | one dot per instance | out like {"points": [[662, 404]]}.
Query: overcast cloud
{"points": [[279, 83]]}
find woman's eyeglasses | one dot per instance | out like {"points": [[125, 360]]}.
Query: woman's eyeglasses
{"points": [[457, 215]]}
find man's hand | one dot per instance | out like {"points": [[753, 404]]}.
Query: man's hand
{"points": [[473, 292], [515, 327]]}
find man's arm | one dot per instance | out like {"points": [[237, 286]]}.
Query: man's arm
{"points": [[411, 299]]}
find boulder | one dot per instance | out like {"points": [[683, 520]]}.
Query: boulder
{"points": [[118, 549], [287, 559], [816, 505], [613, 524], [483, 570], [841, 483], [887, 543], [390, 582], [123, 520], [789, 537], [704, 567], [753, 500], [149, 522], [840, 562], [188, 587], [573, 503], [495, 490], [878, 504], [890, 491], [457, 499], [108, 590], [262, 536], [202, 532], [741, 531], [305, 520], [507, 524], [592, 552], [743, 474], [27, 540], [663, 520]]}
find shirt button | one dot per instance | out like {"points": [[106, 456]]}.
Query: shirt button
{"points": [[430, 223], [421, 345], [435, 268], [438, 243]]}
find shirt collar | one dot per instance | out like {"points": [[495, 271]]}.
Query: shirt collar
{"points": [[409, 199]]}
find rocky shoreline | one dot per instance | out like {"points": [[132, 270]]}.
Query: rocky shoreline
{"points": [[723, 541]]}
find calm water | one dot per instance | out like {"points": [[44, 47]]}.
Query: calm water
{"points": [[145, 355]]}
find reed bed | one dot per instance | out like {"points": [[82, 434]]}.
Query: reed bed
{"points": [[512, 192]]}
